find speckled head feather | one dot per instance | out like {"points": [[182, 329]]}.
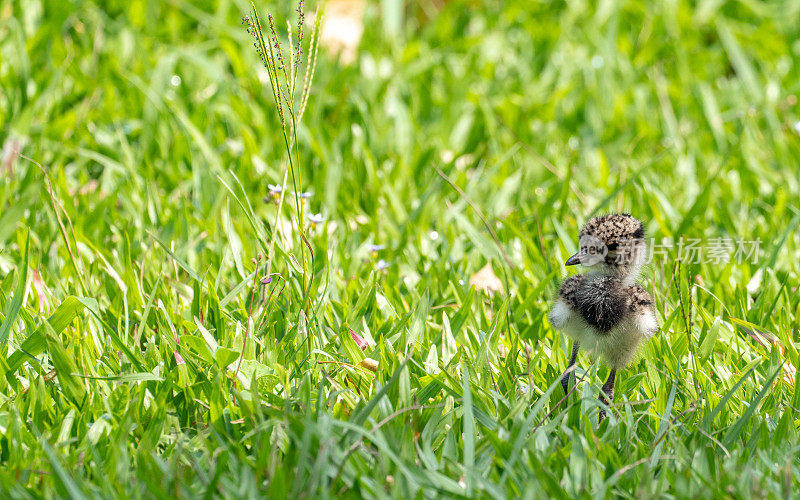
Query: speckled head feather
{"points": [[614, 241], [613, 228]]}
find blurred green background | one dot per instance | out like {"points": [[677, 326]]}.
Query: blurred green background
{"points": [[155, 125]]}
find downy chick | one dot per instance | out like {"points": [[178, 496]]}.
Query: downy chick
{"points": [[605, 311]]}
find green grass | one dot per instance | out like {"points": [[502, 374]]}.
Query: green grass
{"points": [[126, 293]]}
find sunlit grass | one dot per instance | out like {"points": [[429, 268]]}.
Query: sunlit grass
{"points": [[462, 135]]}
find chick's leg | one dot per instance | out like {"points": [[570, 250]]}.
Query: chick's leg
{"points": [[607, 393], [568, 372]]}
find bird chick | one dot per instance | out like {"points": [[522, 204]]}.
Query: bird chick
{"points": [[605, 311]]}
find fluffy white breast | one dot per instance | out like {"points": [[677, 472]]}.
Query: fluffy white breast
{"points": [[646, 322], [560, 314], [569, 321], [618, 346]]}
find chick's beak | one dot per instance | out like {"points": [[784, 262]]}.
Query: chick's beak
{"points": [[574, 260]]}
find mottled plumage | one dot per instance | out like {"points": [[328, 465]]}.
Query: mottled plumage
{"points": [[605, 311], [612, 245], [601, 302], [613, 228], [605, 316]]}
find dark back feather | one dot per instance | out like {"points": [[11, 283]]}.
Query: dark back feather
{"points": [[602, 302]]}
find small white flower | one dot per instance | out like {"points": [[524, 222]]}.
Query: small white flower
{"points": [[315, 218], [275, 191], [381, 265], [573, 143]]}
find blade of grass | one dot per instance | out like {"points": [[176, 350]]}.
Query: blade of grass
{"points": [[13, 306], [738, 426]]}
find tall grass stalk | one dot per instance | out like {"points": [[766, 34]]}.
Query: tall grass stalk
{"points": [[290, 109]]}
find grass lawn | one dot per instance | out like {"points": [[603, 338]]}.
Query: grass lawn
{"points": [[169, 330]]}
